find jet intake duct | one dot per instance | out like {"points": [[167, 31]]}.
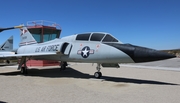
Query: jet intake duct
{"points": [[66, 48], [141, 54]]}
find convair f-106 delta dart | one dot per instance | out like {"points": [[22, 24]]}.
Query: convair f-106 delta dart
{"points": [[7, 46], [94, 47], [7, 49]]}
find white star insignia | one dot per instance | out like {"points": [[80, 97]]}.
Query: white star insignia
{"points": [[85, 52]]}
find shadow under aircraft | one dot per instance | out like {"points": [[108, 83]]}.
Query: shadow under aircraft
{"points": [[72, 73]]}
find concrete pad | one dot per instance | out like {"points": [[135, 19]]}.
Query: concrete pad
{"points": [[77, 85]]}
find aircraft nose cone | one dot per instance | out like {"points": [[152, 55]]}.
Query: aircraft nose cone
{"points": [[142, 54]]}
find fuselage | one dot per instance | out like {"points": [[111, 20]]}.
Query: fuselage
{"points": [[77, 51], [93, 48]]}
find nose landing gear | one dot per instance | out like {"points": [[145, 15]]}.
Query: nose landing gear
{"points": [[98, 74]]}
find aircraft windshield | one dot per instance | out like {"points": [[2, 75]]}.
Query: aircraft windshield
{"points": [[97, 37], [84, 37], [109, 38]]}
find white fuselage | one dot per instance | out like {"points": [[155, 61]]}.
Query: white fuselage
{"points": [[77, 51]]}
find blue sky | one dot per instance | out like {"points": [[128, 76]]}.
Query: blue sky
{"points": [[150, 23]]}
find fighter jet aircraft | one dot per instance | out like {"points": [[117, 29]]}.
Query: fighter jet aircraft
{"points": [[7, 45], [93, 47], [7, 48]]}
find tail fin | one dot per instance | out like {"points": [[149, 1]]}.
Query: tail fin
{"points": [[26, 37], [7, 45]]}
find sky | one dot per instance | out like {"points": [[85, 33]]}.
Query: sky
{"points": [[148, 23]]}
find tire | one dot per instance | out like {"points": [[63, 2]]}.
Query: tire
{"points": [[23, 70], [97, 74]]}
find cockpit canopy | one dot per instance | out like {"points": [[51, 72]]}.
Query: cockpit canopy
{"points": [[101, 37]]}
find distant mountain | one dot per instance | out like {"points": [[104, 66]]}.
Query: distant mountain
{"points": [[173, 51]]}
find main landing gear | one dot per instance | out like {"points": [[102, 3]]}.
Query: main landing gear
{"points": [[98, 74], [23, 68], [63, 65]]}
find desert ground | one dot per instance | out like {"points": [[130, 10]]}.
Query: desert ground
{"points": [[154, 82]]}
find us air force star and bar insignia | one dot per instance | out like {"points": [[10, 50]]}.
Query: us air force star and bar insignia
{"points": [[85, 52]]}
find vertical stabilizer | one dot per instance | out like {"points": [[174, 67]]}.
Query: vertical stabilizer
{"points": [[26, 37], [7, 45]]}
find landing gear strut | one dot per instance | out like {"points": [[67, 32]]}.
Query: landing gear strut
{"points": [[23, 68], [98, 74], [63, 65]]}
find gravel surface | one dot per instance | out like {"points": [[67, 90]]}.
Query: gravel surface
{"points": [[77, 85]]}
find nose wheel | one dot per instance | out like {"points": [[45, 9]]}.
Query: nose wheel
{"points": [[98, 74]]}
